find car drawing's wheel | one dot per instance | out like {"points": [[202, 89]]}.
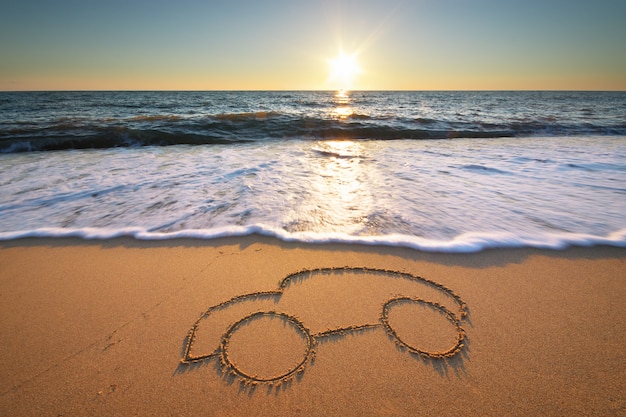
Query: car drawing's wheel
{"points": [[422, 327], [267, 346]]}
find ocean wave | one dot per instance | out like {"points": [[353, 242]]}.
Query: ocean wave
{"points": [[69, 137], [465, 243], [164, 130], [77, 120]]}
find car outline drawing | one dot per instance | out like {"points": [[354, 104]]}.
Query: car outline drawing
{"points": [[263, 304]]}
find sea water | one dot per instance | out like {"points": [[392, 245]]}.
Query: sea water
{"points": [[439, 171]]}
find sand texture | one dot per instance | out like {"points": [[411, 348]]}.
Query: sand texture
{"points": [[255, 326]]}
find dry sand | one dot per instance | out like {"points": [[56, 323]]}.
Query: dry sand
{"points": [[100, 328]]}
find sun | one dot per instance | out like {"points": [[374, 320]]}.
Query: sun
{"points": [[343, 70]]}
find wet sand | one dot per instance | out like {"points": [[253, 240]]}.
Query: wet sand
{"points": [[255, 326]]}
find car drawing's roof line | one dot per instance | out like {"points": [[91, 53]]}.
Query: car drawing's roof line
{"points": [[301, 275]]}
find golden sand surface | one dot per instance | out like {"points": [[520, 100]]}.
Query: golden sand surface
{"points": [[256, 326]]}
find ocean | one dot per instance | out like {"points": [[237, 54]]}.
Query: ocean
{"points": [[434, 171]]}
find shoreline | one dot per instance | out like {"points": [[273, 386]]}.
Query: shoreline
{"points": [[467, 243], [99, 327]]}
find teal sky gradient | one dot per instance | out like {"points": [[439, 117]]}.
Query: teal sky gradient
{"points": [[280, 44]]}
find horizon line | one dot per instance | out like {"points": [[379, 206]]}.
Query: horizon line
{"points": [[304, 90]]}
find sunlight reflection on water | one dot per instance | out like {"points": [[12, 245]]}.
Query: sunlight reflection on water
{"points": [[342, 108], [339, 196]]}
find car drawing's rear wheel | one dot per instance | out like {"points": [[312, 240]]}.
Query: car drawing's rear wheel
{"points": [[423, 327]]}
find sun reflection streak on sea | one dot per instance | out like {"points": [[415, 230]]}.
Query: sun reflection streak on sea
{"points": [[342, 109], [337, 197]]}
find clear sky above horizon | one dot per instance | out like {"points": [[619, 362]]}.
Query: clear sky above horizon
{"points": [[283, 44]]}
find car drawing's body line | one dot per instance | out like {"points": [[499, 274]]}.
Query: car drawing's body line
{"points": [[228, 366], [187, 357], [258, 294], [345, 330]]}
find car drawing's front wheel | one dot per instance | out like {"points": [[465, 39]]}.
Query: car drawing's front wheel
{"points": [[267, 346]]}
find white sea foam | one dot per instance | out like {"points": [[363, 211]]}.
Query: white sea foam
{"points": [[456, 196]]}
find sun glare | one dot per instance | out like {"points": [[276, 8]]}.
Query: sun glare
{"points": [[343, 70]]}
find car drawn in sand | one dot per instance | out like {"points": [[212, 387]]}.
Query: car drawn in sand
{"points": [[323, 303]]}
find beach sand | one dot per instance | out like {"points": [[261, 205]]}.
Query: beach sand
{"points": [[100, 328]]}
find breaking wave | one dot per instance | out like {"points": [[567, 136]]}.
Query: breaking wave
{"points": [[83, 120], [164, 130]]}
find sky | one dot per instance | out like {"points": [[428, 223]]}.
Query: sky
{"points": [[290, 44]]}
